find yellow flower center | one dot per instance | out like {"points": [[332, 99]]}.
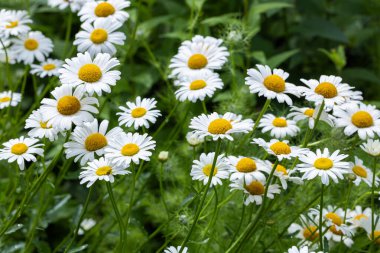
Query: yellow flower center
{"points": [[282, 169], [323, 163], [311, 233], [334, 218], [280, 148], [19, 148], [138, 112], [90, 73], [274, 83], [95, 141], [197, 61], [12, 24], [255, 188], [326, 89], [105, 170], [44, 125], [207, 170], [376, 234], [98, 36], [5, 99], [130, 149], [49, 66], [279, 122], [246, 165], [359, 171], [360, 216], [335, 230], [219, 126], [31, 44], [104, 10], [197, 85], [362, 119], [309, 112], [68, 105]]}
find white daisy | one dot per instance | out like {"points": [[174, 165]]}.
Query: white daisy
{"points": [[304, 249], [89, 139], [281, 149], [100, 169], [355, 216], [14, 23], [173, 249], [94, 74], [310, 114], [68, 107], [202, 168], [367, 225], [6, 53], [128, 147], [47, 68], [247, 168], [362, 173], [198, 86], [40, 129], [360, 118], [139, 114], [279, 127], [220, 126], [308, 231], [111, 9], [21, 149], [270, 84], [330, 89], [193, 139], [99, 37], [9, 98], [199, 53], [285, 175], [324, 165], [31, 46], [75, 5], [371, 147]]}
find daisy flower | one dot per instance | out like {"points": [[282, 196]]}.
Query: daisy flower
{"points": [[279, 127], [360, 118], [47, 68], [40, 128], [310, 114], [324, 165], [304, 249], [193, 139], [68, 107], [75, 5], [89, 139], [173, 249], [367, 225], [86, 225], [127, 148], [308, 230], [247, 168], [199, 53], [14, 23], [355, 216], [202, 168], [111, 9], [285, 175], [139, 114], [6, 53], [271, 84], [198, 86], [255, 190], [280, 149], [31, 46], [9, 98], [362, 173], [21, 149], [99, 37], [95, 75], [331, 90], [100, 169], [220, 126], [371, 147]]}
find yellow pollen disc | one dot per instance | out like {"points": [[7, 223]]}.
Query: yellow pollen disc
{"points": [[359, 171], [98, 36], [219, 126], [95, 141], [274, 83], [197, 61], [334, 218], [31, 44], [360, 216], [280, 148], [309, 112], [323, 163], [5, 99], [138, 112], [282, 169], [19, 148], [326, 89], [279, 122], [197, 85], [376, 234], [68, 105], [49, 66], [207, 170], [130, 149], [311, 233], [105, 170], [362, 119], [246, 165], [44, 125], [90, 73], [104, 10], [255, 188], [335, 230], [12, 24]]}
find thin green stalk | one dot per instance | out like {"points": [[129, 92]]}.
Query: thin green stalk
{"points": [[204, 107], [162, 192], [68, 33], [134, 178], [373, 199], [166, 120], [321, 220], [8, 73], [240, 223]]}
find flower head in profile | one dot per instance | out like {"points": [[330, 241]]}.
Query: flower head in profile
{"points": [[173, 249], [248, 168], [193, 139], [111, 9], [366, 224], [14, 23], [279, 127], [356, 215], [307, 229], [362, 173], [202, 168], [285, 175], [39, 128], [46, 68], [280, 149], [310, 114], [303, 249], [9, 98], [75, 5], [371, 147]]}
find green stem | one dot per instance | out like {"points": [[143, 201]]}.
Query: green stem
{"points": [[204, 107], [68, 33], [320, 220], [162, 192], [373, 199], [134, 178], [240, 223], [166, 120]]}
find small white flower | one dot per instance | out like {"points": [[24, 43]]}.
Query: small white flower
{"points": [[173, 249], [201, 169], [75, 5], [111, 9], [14, 23], [47, 68], [285, 175], [367, 225], [304, 249], [362, 173], [193, 139], [355, 216], [9, 98], [279, 127], [308, 231], [163, 156], [281, 149], [371, 147], [40, 129], [310, 114], [86, 225], [247, 168]]}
